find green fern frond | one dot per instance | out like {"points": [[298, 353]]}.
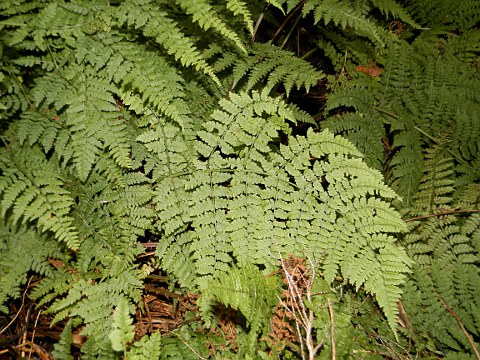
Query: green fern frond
{"points": [[39, 128], [436, 186], [391, 7], [157, 25], [240, 7], [271, 65], [446, 251], [122, 331], [148, 120], [148, 347], [445, 14], [23, 250], [202, 13], [277, 4], [62, 348], [37, 195], [365, 131], [244, 289], [343, 14], [311, 187], [428, 295]]}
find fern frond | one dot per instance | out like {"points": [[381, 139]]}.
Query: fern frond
{"points": [[240, 7], [246, 290], [390, 7], [427, 295], [283, 199], [202, 13], [38, 195], [23, 250], [62, 348], [148, 347], [272, 66], [436, 186], [445, 14], [157, 25], [122, 331], [146, 120], [343, 14]]}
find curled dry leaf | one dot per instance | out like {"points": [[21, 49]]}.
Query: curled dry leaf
{"points": [[372, 70]]}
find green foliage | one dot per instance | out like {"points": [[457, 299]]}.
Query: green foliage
{"points": [[267, 62], [134, 120], [247, 291], [122, 331], [417, 122], [445, 14], [23, 250], [149, 347], [447, 275], [62, 348], [394, 121]]}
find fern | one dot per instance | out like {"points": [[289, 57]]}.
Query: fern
{"points": [[445, 14], [203, 14], [146, 348], [413, 123], [239, 154], [448, 259], [270, 64], [240, 7], [151, 120], [247, 291], [23, 250], [157, 25], [344, 15], [391, 103], [122, 329], [62, 348], [36, 193]]}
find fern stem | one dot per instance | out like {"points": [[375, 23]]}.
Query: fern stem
{"points": [[332, 329], [20, 309], [189, 346], [304, 57], [257, 25], [10, 72], [51, 54], [459, 321], [287, 19], [385, 112], [436, 141], [442, 213], [290, 33]]}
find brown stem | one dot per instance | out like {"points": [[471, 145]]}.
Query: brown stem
{"points": [[332, 329], [287, 19], [446, 212], [459, 321]]}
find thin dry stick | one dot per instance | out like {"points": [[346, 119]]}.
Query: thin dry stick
{"points": [[287, 19], [257, 25], [332, 329], [24, 340], [459, 321], [188, 345], [304, 319], [293, 311], [442, 213], [33, 334], [20, 309], [313, 350]]}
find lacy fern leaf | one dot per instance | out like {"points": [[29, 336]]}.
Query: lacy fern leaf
{"points": [[122, 329], [159, 121]]}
